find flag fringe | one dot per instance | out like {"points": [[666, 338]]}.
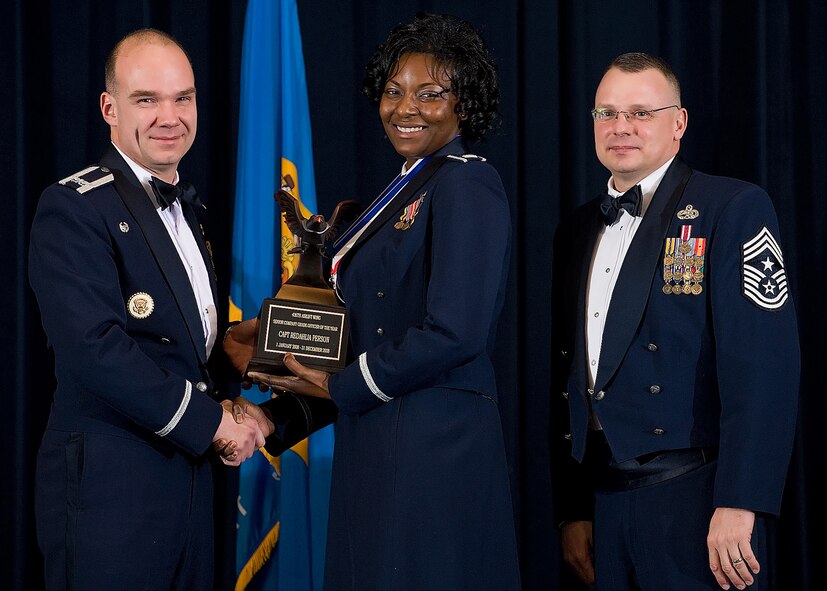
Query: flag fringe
{"points": [[258, 559]]}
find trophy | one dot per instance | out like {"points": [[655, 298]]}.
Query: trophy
{"points": [[305, 317]]}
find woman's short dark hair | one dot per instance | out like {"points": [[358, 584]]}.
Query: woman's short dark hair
{"points": [[456, 46]]}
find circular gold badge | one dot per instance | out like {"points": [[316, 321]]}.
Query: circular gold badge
{"points": [[140, 305]]}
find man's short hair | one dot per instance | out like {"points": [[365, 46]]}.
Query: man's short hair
{"points": [[637, 62], [141, 35]]}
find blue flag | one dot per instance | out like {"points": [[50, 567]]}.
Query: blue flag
{"points": [[282, 502]]}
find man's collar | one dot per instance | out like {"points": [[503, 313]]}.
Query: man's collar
{"points": [[648, 185], [143, 175]]}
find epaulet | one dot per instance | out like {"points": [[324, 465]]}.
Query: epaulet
{"points": [[88, 179], [466, 157]]}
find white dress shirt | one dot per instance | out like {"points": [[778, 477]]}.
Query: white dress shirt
{"points": [[185, 244], [612, 245]]}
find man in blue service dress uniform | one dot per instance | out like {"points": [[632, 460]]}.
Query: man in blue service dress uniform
{"points": [[127, 295], [675, 326]]}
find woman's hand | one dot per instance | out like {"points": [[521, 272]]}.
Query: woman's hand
{"points": [[306, 381]]}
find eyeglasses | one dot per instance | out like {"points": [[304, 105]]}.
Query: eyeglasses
{"points": [[605, 115], [423, 96]]}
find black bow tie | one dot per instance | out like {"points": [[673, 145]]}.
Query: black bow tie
{"points": [[167, 194], [630, 201]]}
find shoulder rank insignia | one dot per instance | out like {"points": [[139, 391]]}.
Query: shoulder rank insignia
{"points": [[764, 278], [688, 213], [466, 158], [88, 179], [408, 216]]}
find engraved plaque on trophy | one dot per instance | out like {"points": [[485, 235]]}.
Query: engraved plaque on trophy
{"points": [[305, 317]]}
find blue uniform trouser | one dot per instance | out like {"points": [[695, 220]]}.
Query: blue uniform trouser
{"points": [[653, 538]]}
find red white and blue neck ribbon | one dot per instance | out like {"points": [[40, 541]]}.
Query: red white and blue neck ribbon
{"points": [[343, 244]]}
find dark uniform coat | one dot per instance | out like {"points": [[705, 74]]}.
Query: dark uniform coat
{"points": [[700, 346], [123, 492], [420, 493]]}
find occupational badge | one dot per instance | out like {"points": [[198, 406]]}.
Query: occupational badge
{"points": [[764, 277], [683, 263], [688, 213], [140, 305], [408, 216]]}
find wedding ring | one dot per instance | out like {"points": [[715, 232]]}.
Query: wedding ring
{"points": [[737, 561]]}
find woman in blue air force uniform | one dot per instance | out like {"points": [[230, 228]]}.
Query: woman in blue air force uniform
{"points": [[420, 493]]}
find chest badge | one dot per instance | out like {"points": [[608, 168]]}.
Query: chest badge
{"points": [[140, 305], [683, 263], [688, 213], [124, 227], [408, 216]]}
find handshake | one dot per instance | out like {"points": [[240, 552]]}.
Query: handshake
{"points": [[243, 429], [302, 406]]}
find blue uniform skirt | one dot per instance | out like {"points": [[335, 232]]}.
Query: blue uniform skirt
{"points": [[420, 497]]}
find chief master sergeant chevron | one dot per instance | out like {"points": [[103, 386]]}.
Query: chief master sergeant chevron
{"points": [[675, 326], [127, 294]]}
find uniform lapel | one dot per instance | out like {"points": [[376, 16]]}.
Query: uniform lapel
{"points": [[642, 261], [193, 221], [160, 244], [439, 158], [396, 204], [592, 226]]}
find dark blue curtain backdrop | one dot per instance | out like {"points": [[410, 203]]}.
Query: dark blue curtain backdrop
{"points": [[753, 75]]}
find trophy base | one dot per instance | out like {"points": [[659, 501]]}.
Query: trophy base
{"points": [[308, 322]]}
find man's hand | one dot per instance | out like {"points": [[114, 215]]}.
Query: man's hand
{"points": [[731, 558], [578, 549], [254, 411], [235, 439], [310, 382], [241, 409]]}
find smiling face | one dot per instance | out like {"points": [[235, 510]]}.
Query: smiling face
{"points": [[151, 110], [632, 150], [416, 109]]}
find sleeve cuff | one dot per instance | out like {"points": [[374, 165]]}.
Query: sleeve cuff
{"points": [[182, 408], [363, 367]]}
